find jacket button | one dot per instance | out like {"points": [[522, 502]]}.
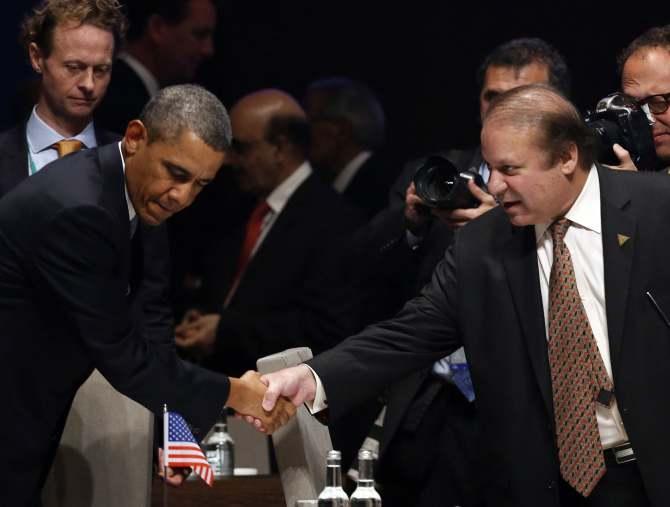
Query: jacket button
{"points": [[551, 484], [624, 410]]}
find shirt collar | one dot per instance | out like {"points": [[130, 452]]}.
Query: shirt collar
{"points": [[41, 136], [349, 171], [280, 195], [147, 78], [585, 211], [131, 209]]}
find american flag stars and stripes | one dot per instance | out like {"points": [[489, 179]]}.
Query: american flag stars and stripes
{"points": [[182, 450]]}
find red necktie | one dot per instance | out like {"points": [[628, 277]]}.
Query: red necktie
{"points": [[253, 232], [577, 373]]}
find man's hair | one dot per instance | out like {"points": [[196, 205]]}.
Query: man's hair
{"points": [[655, 37], [518, 53], [354, 102], [39, 26], [294, 129], [139, 12], [180, 108], [555, 121]]}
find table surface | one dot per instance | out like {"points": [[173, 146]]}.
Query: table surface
{"points": [[242, 491]]}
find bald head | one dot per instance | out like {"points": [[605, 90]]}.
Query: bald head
{"points": [[270, 138], [265, 104], [554, 121]]}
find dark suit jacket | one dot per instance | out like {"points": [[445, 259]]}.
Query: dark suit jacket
{"points": [[125, 98], [151, 302], [289, 288], [66, 278], [493, 264], [368, 189], [14, 154]]}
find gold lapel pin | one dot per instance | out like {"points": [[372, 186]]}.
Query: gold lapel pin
{"points": [[622, 239]]}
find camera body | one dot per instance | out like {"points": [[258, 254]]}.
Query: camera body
{"points": [[618, 118], [440, 184]]}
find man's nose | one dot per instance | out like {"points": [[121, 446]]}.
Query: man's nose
{"points": [[87, 81], [181, 196], [496, 184]]}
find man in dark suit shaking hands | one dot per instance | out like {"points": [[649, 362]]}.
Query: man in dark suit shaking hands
{"points": [[570, 363], [70, 261]]}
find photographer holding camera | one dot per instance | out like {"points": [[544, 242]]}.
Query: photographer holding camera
{"points": [[512, 64], [645, 75]]}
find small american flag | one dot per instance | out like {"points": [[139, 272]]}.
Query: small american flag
{"points": [[182, 450]]}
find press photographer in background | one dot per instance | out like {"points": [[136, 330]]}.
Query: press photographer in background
{"points": [[644, 67]]}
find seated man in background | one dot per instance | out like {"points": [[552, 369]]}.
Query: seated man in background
{"points": [[265, 303], [167, 42], [347, 123]]}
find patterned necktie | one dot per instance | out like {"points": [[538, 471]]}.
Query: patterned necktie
{"points": [[253, 232], [67, 146], [577, 373]]}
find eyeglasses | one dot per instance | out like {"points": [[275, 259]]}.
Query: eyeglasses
{"points": [[658, 104]]}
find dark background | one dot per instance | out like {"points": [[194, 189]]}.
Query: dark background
{"points": [[420, 58]]}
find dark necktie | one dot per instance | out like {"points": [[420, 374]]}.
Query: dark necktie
{"points": [[577, 373], [253, 232], [67, 146]]}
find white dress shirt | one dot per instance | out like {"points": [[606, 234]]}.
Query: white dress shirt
{"points": [[148, 79], [350, 170], [584, 241], [40, 137], [131, 209]]}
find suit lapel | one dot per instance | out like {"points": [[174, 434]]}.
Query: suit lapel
{"points": [[277, 234], [618, 249], [520, 262], [114, 197], [14, 156]]}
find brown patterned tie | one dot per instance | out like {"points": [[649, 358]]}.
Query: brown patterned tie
{"points": [[577, 373], [67, 146]]}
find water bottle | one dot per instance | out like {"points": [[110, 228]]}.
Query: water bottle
{"points": [[220, 449], [333, 495], [365, 494]]}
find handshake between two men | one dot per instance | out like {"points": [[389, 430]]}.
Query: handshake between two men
{"points": [[252, 399]]}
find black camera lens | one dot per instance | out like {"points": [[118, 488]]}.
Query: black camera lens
{"points": [[440, 184], [619, 119]]}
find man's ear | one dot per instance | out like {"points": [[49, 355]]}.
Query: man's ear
{"points": [[36, 57], [136, 136], [569, 159]]}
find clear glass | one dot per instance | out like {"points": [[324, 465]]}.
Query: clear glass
{"points": [[220, 450], [333, 494], [365, 494]]}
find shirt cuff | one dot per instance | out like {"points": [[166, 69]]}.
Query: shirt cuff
{"points": [[320, 402]]}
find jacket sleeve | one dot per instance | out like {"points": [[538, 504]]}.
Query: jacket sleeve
{"points": [[78, 263], [425, 330]]}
